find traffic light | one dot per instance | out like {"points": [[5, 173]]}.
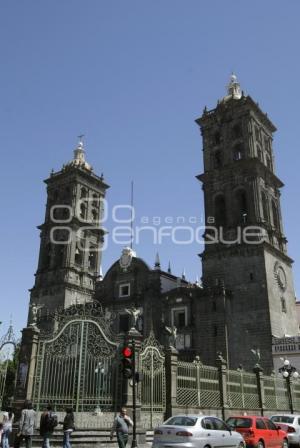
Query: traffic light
{"points": [[127, 361]]}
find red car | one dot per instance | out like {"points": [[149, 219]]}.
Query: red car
{"points": [[259, 432]]}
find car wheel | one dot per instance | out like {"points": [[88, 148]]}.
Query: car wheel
{"points": [[260, 444], [242, 445], [285, 444]]}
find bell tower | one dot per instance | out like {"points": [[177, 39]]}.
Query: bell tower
{"points": [[245, 247], [71, 237]]}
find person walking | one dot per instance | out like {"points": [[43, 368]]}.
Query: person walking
{"points": [[8, 418], [121, 426], [68, 427], [26, 425], [48, 422]]}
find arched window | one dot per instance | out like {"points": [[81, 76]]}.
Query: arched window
{"points": [[92, 258], [257, 133], [265, 206], [95, 202], [241, 206], [83, 192], [78, 255], [266, 144], [220, 211], [275, 215], [82, 210], [94, 215], [238, 152], [218, 159]]}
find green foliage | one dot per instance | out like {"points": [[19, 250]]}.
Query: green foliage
{"points": [[10, 379]]}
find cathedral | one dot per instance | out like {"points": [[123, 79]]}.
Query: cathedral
{"points": [[246, 296]]}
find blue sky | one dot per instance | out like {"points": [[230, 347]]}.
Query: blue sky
{"points": [[133, 76]]}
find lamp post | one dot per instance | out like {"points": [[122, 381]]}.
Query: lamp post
{"points": [[289, 372], [99, 376]]}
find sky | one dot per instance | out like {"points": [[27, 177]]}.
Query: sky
{"points": [[132, 76]]}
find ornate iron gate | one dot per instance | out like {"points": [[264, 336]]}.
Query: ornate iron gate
{"points": [[153, 389], [76, 368]]}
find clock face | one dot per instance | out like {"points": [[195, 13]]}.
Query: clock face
{"points": [[280, 276]]}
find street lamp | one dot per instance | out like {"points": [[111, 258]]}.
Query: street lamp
{"points": [[99, 371], [289, 372]]}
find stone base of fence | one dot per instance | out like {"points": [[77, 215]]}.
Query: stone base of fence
{"points": [[88, 438]]}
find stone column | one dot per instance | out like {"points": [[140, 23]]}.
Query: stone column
{"points": [[222, 369], [260, 387], [27, 364], [171, 361]]}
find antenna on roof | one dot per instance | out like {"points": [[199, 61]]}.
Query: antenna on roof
{"points": [[132, 215]]}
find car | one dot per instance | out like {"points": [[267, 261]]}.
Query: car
{"points": [[196, 431], [259, 432], [293, 423]]}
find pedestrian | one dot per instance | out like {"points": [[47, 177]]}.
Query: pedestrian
{"points": [[48, 422], [68, 427], [8, 418], [121, 426], [26, 425]]}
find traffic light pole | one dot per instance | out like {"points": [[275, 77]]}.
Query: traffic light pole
{"points": [[134, 441]]}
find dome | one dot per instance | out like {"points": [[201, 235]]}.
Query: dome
{"points": [[79, 158]]}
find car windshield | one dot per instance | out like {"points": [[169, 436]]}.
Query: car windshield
{"points": [[239, 422], [282, 419], [181, 421]]}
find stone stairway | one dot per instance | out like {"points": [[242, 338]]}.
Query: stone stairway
{"points": [[88, 438]]}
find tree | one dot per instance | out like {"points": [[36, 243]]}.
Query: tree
{"points": [[10, 379]]}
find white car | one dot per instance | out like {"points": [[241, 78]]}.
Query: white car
{"points": [[196, 431], [293, 423]]}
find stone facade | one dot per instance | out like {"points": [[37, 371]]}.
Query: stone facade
{"points": [[71, 238], [242, 203]]}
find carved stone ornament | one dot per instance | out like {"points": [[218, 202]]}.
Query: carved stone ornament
{"points": [[126, 258], [280, 276]]}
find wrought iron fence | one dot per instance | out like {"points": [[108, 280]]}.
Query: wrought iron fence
{"points": [[296, 394], [78, 367], [276, 394], [242, 390], [197, 385]]}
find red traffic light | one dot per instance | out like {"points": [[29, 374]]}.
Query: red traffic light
{"points": [[127, 352]]}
